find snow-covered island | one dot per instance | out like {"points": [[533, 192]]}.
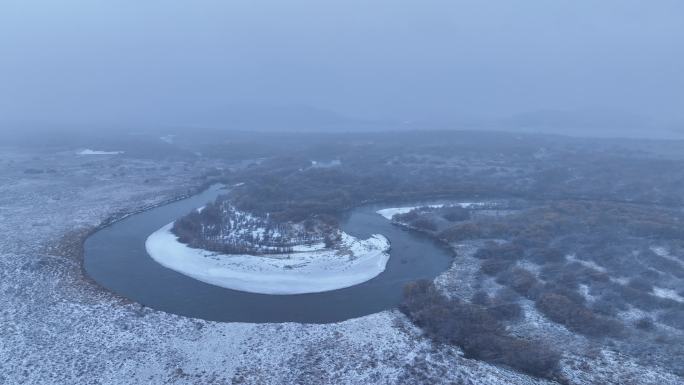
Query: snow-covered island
{"points": [[240, 251]]}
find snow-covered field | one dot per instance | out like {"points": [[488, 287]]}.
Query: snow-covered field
{"points": [[314, 270], [58, 327], [389, 213], [88, 151]]}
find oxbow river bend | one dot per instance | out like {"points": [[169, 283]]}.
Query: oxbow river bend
{"points": [[115, 256]]}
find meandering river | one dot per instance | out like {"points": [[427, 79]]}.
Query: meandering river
{"points": [[115, 256]]}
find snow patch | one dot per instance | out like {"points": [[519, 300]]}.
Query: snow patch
{"points": [[88, 151], [585, 263], [585, 291], [389, 213], [663, 252], [667, 293], [308, 269], [326, 164]]}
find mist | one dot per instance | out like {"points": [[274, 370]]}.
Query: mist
{"points": [[569, 67], [342, 192]]}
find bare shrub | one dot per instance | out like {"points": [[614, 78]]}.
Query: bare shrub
{"points": [[518, 279], [644, 323], [673, 317], [494, 266], [455, 213], [640, 284], [475, 330], [563, 310], [546, 255], [424, 224]]}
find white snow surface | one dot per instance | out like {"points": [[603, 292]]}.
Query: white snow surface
{"points": [[88, 151], [590, 264], [665, 253], [58, 327], [389, 213], [307, 270], [667, 293]]}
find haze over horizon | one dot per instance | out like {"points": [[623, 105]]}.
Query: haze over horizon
{"points": [[559, 67]]}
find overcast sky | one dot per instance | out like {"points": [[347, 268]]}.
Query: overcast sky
{"points": [[177, 62]]}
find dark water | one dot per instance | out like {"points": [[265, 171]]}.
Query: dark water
{"points": [[116, 258]]}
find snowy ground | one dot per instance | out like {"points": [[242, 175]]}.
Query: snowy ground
{"points": [[314, 270], [88, 151], [58, 327], [389, 213]]}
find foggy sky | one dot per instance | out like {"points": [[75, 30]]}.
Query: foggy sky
{"points": [[170, 62]]}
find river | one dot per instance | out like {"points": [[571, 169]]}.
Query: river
{"points": [[115, 257]]}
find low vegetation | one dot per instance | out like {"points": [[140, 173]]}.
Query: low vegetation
{"points": [[476, 330], [576, 238], [220, 227]]}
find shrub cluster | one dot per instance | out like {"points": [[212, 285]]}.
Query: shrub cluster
{"points": [[673, 317], [424, 224], [475, 330], [520, 280], [501, 307], [417, 220], [576, 317], [494, 266], [644, 323], [543, 255], [455, 213], [510, 251]]}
